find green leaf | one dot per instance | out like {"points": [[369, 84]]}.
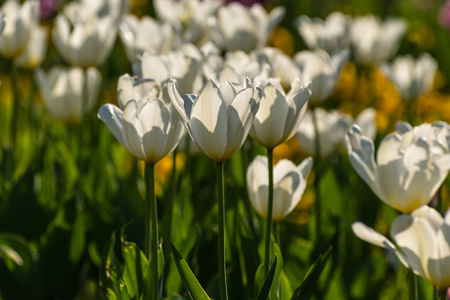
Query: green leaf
{"points": [[14, 249], [195, 290], [309, 284], [136, 264], [78, 238], [265, 290]]}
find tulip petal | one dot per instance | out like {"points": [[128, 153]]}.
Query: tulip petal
{"points": [[240, 116], [297, 98], [257, 184], [269, 123], [362, 158], [209, 122], [154, 129], [112, 116], [371, 236], [132, 132], [417, 240]]}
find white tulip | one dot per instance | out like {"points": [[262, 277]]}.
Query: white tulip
{"points": [[375, 41], [219, 119], [423, 242], [149, 128], [281, 65], [18, 21], [177, 65], [244, 28], [63, 92], [322, 70], [35, 50], [191, 16], [234, 67], [331, 34], [289, 183], [279, 115], [140, 90], [134, 34], [411, 163], [366, 121], [88, 43], [411, 77], [331, 127]]}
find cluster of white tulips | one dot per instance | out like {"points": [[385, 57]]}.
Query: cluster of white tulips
{"points": [[203, 70]]}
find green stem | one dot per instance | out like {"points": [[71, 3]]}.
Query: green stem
{"points": [[151, 247], [222, 258], [413, 290], [317, 200], [442, 294], [15, 105], [167, 223], [269, 212], [276, 230]]}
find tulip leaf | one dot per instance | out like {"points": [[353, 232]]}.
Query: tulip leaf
{"points": [[309, 284], [112, 274], [195, 290], [265, 290], [13, 248], [135, 266]]}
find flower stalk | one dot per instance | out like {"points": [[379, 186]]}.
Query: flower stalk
{"points": [[269, 213], [151, 227], [442, 294], [222, 258]]}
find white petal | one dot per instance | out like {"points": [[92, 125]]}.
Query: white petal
{"points": [[209, 122], [112, 116]]}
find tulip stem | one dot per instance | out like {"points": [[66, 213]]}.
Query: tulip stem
{"points": [[442, 294], [317, 204], [15, 104], [413, 291], [222, 258], [167, 222], [269, 212], [151, 227]]}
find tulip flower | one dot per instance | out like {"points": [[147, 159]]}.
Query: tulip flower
{"points": [[331, 127], [281, 65], [17, 24], [63, 91], [322, 70], [289, 185], [279, 115], [36, 48], [423, 243], [140, 90], [244, 28], [89, 42], [177, 65], [134, 35], [219, 118], [149, 128], [331, 34], [375, 41], [411, 77], [191, 16], [411, 163]]}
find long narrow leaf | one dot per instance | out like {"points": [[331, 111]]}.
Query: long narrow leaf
{"points": [[265, 290], [309, 284], [195, 290]]}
